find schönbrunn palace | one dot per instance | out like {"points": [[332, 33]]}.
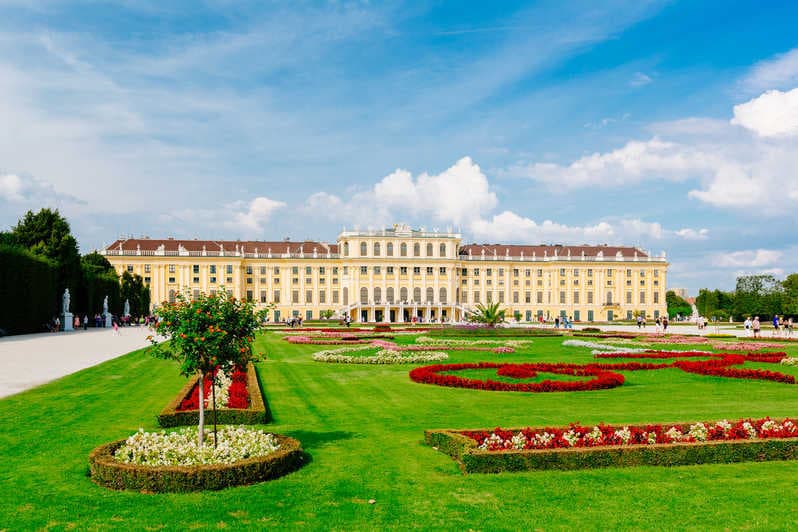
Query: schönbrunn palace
{"points": [[399, 273]]}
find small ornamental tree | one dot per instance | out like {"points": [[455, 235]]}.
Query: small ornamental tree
{"points": [[204, 333], [489, 314]]}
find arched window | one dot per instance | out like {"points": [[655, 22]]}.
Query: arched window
{"points": [[430, 295], [376, 249], [346, 296], [389, 249], [609, 298], [442, 250], [377, 295], [403, 294], [172, 296], [416, 249], [442, 296], [364, 295], [417, 294], [403, 249], [389, 294], [363, 249], [429, 250], [346, 249]]}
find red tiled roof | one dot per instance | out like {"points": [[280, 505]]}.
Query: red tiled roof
{"points": [[540, 251], [246, 246]]}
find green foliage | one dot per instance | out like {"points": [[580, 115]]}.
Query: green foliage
{"points": [[255, 414], [677, 305], [47, 234], [326, 314], [106, 471], [473, 460], [489, 314], [133, 289], [715, 303], [27, 285], [758, 295], [96, 263], [206, 332]]}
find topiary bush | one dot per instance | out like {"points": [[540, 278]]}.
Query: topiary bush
{"points": [[106, 471]]}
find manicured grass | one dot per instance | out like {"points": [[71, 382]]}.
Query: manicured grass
{"points": [[362, 427]]}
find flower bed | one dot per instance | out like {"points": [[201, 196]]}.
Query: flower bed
{"points": [[481, 331], [320, 340], [578, 447], [602, 378], [231, 391], [454, 342], [183, 409], [348, 355], [230, 467], [395, 347]]}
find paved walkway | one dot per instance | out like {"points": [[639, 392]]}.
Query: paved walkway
{"points": [[29, 360]]}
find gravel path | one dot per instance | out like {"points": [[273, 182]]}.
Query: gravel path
{"points": [[29, 360]]}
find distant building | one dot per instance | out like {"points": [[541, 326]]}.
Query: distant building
{"points": [[681, 292], [399, 273]]}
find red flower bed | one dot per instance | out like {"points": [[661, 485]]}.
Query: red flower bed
{"points": [[576, 435], [238, 396], [716, 365], [602, 378]]}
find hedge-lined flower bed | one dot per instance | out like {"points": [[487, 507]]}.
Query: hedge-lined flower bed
{"points": [[254, 413], [455, 342], [396, 347], [231, 391], [349, 355], [436, 374], [580, 447], [106, 470]]}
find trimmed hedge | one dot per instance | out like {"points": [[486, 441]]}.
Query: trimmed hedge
{"points": [[473, 460], [27, 291], [447, 332], [106, 471], [256, 414]]}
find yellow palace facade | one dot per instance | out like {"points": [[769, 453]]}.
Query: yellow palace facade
{"points": [[400, 274]]}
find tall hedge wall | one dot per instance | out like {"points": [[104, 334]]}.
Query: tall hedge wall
{"points": [[27, 288]]}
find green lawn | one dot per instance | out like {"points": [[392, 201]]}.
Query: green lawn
{"points": [[363, 428]]}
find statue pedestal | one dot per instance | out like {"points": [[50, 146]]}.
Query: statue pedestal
{"points": [[66, 320], [108, 320]]}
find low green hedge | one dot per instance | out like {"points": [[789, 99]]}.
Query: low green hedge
{"points": [[256, 414], [447, 332], [106, 471], [720, 336], [472, 460]]}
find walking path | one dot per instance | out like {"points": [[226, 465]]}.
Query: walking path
{"points": [[29, 360]]}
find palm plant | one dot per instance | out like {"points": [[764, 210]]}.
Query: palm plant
{"points": [[488, 315]]}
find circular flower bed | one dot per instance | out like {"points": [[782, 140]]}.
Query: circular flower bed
{"points": [[437, 374], [349, 355], [172, 462]]}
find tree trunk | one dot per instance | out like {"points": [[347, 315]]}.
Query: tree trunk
{"points": [[201, 429], [213, 393]]}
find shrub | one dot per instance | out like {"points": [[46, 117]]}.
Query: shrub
{"points": [[106, 471], [382, 327], [471, 331]]}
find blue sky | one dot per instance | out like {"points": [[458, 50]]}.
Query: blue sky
{"points": [[672, 126]]}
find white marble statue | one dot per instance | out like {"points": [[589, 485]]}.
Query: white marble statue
{"points": [[65, 302], [105, 305]]}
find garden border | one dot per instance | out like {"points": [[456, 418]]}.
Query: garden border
{"points": [[473, 460], [256, 414], [106, 471]]}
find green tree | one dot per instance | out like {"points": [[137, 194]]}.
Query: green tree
{"points": [[677, 305], [133, 290], [758, 295], [489, 314], [204, 333], [47, 234], [790, 296]]}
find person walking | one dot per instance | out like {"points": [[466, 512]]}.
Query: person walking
{"points": [[664, 324], [756, 326], [657, 325], [85, 322], [775, 325], [747, 326], [116, 327]]}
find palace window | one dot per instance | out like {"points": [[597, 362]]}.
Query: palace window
{"points": [[515, 297], [335, 296], [527, 272], [376, 249], [389, 294], [489, 272], [295, 296], [249, 270], [363, 249], [346, 296], [539, 297], [562, 297], [476, 271], [346, 249], [376, 270], [229, 269], [442, 250], [656, 297], [389, 249], [263, 296], [442, 295], [389, 270], [416, 249], [171, 268], [146, 268], [476, 297], [403, 294], [642, 297], [501, 297], [416, 270], [429, 249], [429, 270], [442, 270], [171, 279], [489, 296], [417, 294], [377, 294], [609, 298], [196, 280], [276, 280], [146, 280], [590, 272], [212, 269], [229, 280], [576, 297], [628, 298], [276, 296], [308, 280], [249, 280], [540, 272], [308, 296], [364, 295], [464, 272], [276, 270], [403, 249], [590, 298], [402, 270], [263, 270], [321, 270], [430, 294], [364, 270], [628, 273], [308, 270]]}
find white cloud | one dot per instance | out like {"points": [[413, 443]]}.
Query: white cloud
{"points": [[11, 187], [778, 72], [640, 79], [252, 220], [454, 196], [757, 258], [771, 114], [692, 234]]}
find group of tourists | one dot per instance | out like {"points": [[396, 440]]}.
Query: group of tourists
{"points": [[781, 326]]}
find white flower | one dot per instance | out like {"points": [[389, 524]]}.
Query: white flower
{"points": [[698, 432], [519, 441], [570, 437], [624, 434], [750, 430], [674, 434]]}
